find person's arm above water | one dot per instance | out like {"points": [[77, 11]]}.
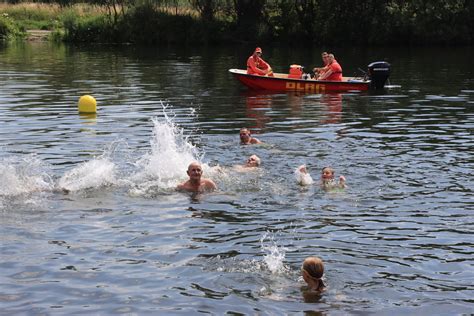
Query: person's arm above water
{"points": [[342, 182]]}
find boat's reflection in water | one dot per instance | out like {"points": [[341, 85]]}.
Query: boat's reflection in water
{"points": [[333, 104], [259, 104]]}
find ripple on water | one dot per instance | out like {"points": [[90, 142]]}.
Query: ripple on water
{"points": [[396, 241]]}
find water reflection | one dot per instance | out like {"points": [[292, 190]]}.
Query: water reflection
{"points": [[124, 241], [256, 106], [260, 105], [333, 106], [88, 120]]}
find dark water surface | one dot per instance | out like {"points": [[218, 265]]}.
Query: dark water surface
{"points": [[398, 240]]}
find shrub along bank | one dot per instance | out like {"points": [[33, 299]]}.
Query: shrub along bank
{"points": [[302, 22]]}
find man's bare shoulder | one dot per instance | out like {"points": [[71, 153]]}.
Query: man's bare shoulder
{"points": [[185, 186], [208, 184], [254, 140]]}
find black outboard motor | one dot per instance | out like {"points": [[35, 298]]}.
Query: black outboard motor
{"points": [[378, 73]]}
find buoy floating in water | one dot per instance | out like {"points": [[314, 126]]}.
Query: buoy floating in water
{"points": [[87, 104]]}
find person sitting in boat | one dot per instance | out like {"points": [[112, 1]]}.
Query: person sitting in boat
{"points": [[320, 70], [196, 183], [333, 71], [257, 66], [246, 138]]}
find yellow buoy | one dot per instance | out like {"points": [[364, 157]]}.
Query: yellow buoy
{"points": [[87, 104]]}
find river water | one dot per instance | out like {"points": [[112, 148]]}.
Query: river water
{"points": [[397, 240]]}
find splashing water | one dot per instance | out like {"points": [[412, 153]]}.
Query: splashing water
{"points": [[171, 153], [274, 255], [96, 173], [23, 176], [302, 176]]}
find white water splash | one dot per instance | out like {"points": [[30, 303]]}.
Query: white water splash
{"points": [[171, 153], [302, 176], [98, 172], [23, 175], [274, 255]]}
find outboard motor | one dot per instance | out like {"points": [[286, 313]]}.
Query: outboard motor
{"points": [[378, 73]]}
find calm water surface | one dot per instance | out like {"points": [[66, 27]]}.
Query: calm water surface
{"points": [[398, 240]]}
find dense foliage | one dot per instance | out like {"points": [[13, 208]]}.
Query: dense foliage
{"points": [[304, 22], [8, 29]]}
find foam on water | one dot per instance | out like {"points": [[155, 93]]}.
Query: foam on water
{"points": [[96, 173], [166, 164], [303, 178], [23, 175], [22, 179], [274, 254], [162, 168]]}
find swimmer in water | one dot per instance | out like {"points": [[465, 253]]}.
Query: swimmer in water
{"points": [[328, 182], [312, 271], [246, 138], [302, 176], [196, 183], [252, 163]]}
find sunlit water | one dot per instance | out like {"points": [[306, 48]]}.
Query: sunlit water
{"points": [[91, 223]]}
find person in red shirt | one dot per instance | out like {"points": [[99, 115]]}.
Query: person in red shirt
{"points": [[319, 70], [333, 72], [257, 66]]}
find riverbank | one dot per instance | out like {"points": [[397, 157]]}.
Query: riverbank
{"points": [[38, 35], [265, 22]]}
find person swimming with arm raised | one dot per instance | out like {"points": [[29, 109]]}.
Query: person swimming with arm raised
{"points": [[196, 183], [328, 182]]}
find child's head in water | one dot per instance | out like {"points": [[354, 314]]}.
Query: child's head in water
{"points": [[312, 271], [327, 174], [327, 179]]}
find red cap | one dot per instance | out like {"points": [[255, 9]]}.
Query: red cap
{"points": [[258, 50]]}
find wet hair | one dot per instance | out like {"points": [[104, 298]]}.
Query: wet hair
{"points": [[314, 266], [194, 163], [257, 159], [244, 129], [330, 169]]}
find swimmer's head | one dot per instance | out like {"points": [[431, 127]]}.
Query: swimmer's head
{"points": [[327, 173], [194, 171], [253, 161], [313, 270], [244, 135]]}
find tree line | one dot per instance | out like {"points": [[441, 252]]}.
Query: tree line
{"points": [[296, 22]]}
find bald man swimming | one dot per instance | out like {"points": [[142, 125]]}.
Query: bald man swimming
{"points": [[196, 183]]}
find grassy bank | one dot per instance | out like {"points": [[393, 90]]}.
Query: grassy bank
{"points": [[297, 23], [16, 19]]}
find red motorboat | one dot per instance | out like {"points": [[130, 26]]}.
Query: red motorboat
{"points": [[295, 80]]}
